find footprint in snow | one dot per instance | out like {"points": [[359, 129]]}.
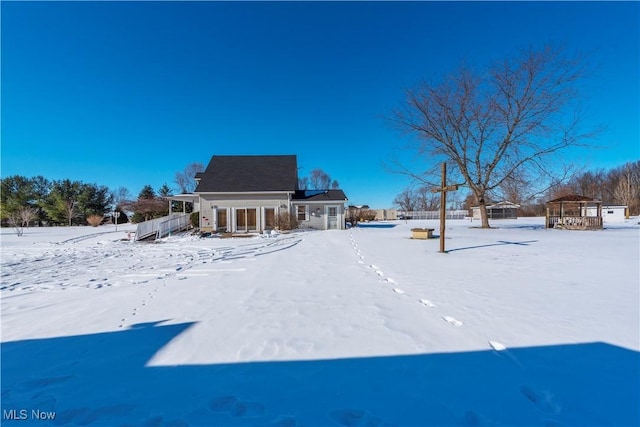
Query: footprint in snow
{"points": [[452, 321], [222, 404], [286, 421], [398, 291], [356, 418], [390, 280], [236, 408], [543, 400], [427, 303], [497, 346]]}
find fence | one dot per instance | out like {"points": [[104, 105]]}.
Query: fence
{"points": [[161, 227], [450, 214]]}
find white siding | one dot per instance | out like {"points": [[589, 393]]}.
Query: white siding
{"points": [[613, 213], [210, 203]]}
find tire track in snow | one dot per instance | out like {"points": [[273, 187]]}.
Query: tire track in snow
{"points": [[52, 266]]}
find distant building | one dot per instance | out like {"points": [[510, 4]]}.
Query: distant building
{"points": [[249, 193], [614, 213], [500, 210], [386, 214]]}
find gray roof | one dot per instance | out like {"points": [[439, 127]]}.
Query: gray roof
{"points": [[232, 174], [320, 195]]}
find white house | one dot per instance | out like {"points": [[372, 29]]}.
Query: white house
{"points": [[247, 193]]}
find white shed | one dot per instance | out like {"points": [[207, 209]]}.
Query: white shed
{"points": [[614, 213]]}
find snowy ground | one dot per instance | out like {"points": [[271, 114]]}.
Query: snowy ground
{"points": [[514, 326]]}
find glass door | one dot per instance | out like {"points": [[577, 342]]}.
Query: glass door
{"points": [[222, 220], [246, 219], [332, 217], [269, 218]]}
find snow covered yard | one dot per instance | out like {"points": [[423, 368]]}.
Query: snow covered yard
{"points": [[515, 326]]}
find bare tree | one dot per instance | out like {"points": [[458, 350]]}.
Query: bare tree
{"points": [[303, 183], [121, 196], [319, 180], [405, 201], [426, 200], [20, 218], [627, 190], [186, 178], [514, 188], [517, 116]]}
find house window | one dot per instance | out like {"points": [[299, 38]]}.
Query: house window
{"points": [[301, 213]]}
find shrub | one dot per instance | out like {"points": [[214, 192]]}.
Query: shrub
{"points": [[94, 220], [368, 214], [286, 221], [194, 218]]}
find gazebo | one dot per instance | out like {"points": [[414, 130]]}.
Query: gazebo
{"points": [[573, 212]]}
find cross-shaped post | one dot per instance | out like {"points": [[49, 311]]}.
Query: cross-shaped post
{"points": [[443, 202]]}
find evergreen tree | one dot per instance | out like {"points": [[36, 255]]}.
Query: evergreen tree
{"points": [[164, 191], [147, 193]]}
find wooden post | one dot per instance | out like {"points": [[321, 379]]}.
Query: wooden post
{"points": [[443, 203]]}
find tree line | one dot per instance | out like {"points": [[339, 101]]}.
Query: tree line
{"points": [[617, 186], [59, 202], [37, 200]]}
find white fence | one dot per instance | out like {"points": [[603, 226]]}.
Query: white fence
{"points": [[450, 214], [161, 227]]}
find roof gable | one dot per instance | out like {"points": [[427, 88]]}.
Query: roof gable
{"points": [[572, 198], [243, 174]]}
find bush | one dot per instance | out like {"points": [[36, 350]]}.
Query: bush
{"points": [[194, 218], [355, 215], [94, 220], [368, 215], [286, 221]]}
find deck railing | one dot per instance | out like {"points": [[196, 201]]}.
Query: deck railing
{"points": [[575, 222], [161, 227]]}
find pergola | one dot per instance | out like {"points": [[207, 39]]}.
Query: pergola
{"points": [[573, 212]]}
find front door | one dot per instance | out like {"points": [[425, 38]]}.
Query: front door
{"points": [[332, 217]]}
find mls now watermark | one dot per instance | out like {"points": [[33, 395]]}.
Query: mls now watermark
{"points": [[24, 414]]}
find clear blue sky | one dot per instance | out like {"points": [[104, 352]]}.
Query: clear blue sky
{"points": [[127, 94]]}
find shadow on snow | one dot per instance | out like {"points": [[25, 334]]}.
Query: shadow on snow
{"points": [[498, 243], [104, 379]]}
